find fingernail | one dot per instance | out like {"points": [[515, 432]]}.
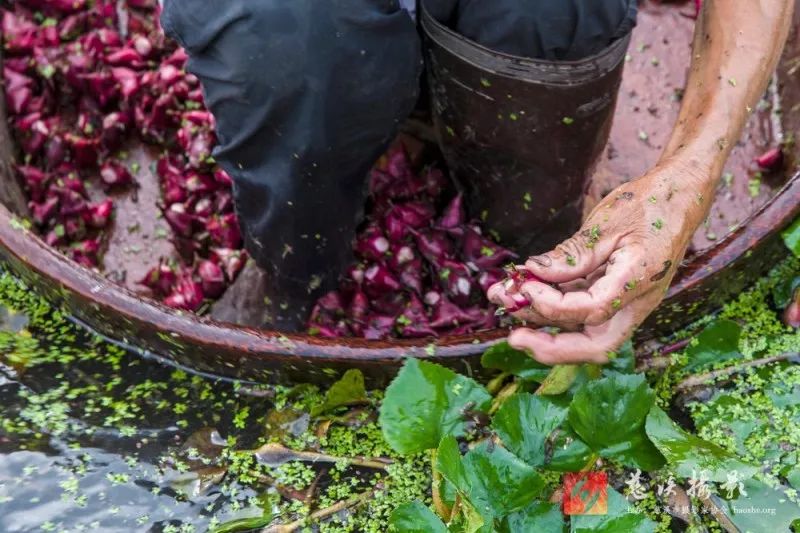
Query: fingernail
{"points": [[542, 260]]}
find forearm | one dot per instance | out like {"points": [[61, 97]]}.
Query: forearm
{"points": [[735, 50]]}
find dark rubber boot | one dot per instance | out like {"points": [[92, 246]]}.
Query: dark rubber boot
{"points": [[520, 136]]}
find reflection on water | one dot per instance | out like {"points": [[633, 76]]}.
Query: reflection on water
{"points": [[90, 441], [91, 437], [12, 321]]}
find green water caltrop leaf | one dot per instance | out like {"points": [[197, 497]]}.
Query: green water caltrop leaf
{"points": [[688, 455], [620, 517], [424, 403], [503, 357], [264, 515], [609, 415], [791, 236], [348, 390], [793, 477], [570, 453], [538, 516], [244, 524], [760, 507], [489, 477], [718, 342], [415, 517], [524, 423]]}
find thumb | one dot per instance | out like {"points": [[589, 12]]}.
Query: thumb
{"points": [[575, 258]]}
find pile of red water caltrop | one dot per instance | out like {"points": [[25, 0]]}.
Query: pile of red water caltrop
{"points": [[420, 272], [82, 78]]}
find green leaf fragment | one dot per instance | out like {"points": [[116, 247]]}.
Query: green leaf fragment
{"points": [[763, 508], [47, 71], [620, 517], [718, 342], [570, 453], [784, 290], [609, 415], [538, 516], [727, 179], [489, 477], [244, 524], [754, 187], [791, 236], [525, 422], [19, 224], [424, 403], [348, 390], [415, 517], [503, 357], [688, 455]]}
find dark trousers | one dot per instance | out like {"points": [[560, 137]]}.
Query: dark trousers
{"points": [[308, 93]]}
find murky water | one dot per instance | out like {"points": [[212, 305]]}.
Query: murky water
{"points": [[93, 439]]}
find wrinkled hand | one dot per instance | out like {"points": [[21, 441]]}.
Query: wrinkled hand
{"points": [[611, 274]]}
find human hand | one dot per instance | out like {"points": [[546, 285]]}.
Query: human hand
{"points": [[601, 283]]}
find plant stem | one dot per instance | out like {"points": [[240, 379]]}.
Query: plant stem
{"points": [[442, 509], [558, 380], [496, 383], [504, 394], [321, 514], [285, 454], [590, 464], [455, 510], [701, 379], [663, 359]]}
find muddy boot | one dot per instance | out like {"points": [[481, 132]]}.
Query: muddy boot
{"points": [[252, 300], [520, 136]]}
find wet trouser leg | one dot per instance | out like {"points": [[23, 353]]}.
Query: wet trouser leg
{"points": [[308, 93], [555, 30]]}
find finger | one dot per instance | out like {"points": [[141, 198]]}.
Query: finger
{"points": [[583, 283], [498, 295], [590, 346], [575, 258], [599, 302]]}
